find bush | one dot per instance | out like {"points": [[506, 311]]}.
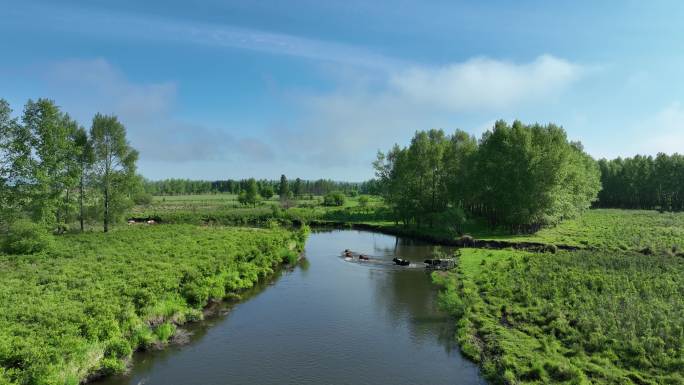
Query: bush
{"points": [[165, 331], [142, 199], [25, 237], [335, 198]]}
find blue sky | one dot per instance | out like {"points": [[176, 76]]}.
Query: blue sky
{"points": [[312, 89]]}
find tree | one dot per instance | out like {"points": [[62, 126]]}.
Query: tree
{"points": [[267, 192], [114, 162], [297, 188], [363, 201], [51, 168], [519, 176], [251, 193], [85, 158], [15, 164], [335, 198], [283, 187]]}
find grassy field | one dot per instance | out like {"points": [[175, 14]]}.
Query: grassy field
{"points": [[589, 317], [615, 230], [610, 229], [224, 209], [82, 306]]}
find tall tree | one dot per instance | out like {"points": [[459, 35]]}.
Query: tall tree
{"points": [[283, 187], [15, 163], [85, 158], [114, 161], [252, 192], [53, 171], [297, 188]]}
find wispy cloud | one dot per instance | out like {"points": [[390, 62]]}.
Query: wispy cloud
{"points": [[349, 124], [85, 87], [666, 130], [118, 25]]}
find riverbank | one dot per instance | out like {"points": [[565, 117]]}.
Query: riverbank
{"points": [[598, 317], [80, 309]]}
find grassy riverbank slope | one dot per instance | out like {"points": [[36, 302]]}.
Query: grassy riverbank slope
{"points": [[81, 307], [587, 317]]}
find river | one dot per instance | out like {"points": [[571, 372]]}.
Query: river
{"points": [[328, 321]]}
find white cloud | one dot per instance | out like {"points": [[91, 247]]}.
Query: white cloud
{"points": [[483, 83], [349, 124]]}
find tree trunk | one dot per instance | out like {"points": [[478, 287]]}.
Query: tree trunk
{"points": [[106, 208], [80, 198]]}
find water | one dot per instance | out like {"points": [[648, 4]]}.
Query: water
{"points": [[329, 321]]}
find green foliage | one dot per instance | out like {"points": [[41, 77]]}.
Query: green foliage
{"points": [[114, 165], [611, 229], [83, 306], [51, 169], [335, 198], [521, 177], [643, 182], [25, 237], [267, 192], [283, 187], [596, 317], [142, 199], [251, 194]]}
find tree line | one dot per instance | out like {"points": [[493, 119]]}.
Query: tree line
{"points": [[643, 182], [54, 172], [516, 176], [299, 187]]}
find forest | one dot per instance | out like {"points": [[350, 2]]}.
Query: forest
{"points": [[643, 182], [298, 187]]}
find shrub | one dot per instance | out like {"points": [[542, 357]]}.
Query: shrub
{"points": [[165, 331], [109, 366], [142, 199], [118, 348], [363, 201], [25, 237], [334, 198], [289, 257]]}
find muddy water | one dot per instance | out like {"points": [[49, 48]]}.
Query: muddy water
{"points": [[329, 321]]}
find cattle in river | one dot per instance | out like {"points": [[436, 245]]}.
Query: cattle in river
{"points": [[401, 262]]}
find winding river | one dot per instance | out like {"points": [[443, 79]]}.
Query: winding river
{"points": [[328, 321]]}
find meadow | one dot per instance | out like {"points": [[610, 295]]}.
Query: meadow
{"points": [[587, 317], [81, 307], [646, 231]]}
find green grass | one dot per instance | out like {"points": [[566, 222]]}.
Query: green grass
{"points": [[617, 230], [223, 209], [84, 305], [598, 229], [605, 229], [599, 317]]}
